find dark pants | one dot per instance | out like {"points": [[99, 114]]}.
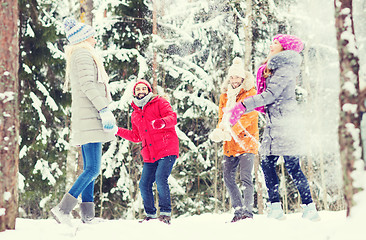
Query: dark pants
{"points": [[84, 185], [158, 172], [293, 167], [242, 206]]}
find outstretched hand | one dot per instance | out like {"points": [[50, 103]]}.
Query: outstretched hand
{"points": [[235, 113]]}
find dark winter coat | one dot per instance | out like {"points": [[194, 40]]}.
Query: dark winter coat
{"points": [[280, 135], [156, 143]]}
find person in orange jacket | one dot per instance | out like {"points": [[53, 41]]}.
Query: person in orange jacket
{"points": [[240, 140]]}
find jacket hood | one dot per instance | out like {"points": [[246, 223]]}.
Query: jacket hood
{"points": [[284, 58], [249, 83]]}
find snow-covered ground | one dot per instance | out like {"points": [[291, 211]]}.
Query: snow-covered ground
{"points": [[333, 226]]}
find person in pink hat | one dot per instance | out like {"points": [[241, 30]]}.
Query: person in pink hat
{"points": [[153, 123], [276, 82]]}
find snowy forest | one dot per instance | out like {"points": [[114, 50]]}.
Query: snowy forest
{"points": [[187, 54]]}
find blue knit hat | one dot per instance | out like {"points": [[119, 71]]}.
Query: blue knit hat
{"points": [[77, 32]]}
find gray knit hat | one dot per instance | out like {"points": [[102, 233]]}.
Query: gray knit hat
{"points": [[77, 32]]}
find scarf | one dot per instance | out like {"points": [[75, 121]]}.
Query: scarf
{"points": [[143, 101], [232, 93], [102, 74]]}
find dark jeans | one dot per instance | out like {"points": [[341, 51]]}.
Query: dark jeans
{"points": [[242, 206], [293, 168], [84, 185], [158, 172]]}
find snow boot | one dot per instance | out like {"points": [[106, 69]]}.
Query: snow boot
{"points": [[237, 218], [87, 211], [310, 212], [275, 211], [165, 219], [61, 212], [148, 218]]}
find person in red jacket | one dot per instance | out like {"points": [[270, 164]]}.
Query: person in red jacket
{"points": [[153, 124]]}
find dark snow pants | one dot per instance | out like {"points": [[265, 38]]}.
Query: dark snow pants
{"points": [[293, 168]]}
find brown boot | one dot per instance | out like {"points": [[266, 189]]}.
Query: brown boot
{"points": [[238, 218], [165, 219]]}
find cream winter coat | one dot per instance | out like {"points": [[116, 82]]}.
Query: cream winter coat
{"points": [[88, 97]]}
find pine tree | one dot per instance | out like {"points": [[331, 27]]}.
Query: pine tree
{"points": [[124, 33], [44, 138]]}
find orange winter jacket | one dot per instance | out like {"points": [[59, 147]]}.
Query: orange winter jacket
{"points": [[248, 123]]}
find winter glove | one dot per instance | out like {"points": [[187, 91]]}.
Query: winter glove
{"points": [[158, 124], [219, 135], [108, 120], [215, 135], [236, 112], [226, 136]]}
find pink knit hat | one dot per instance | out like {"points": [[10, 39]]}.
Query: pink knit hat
{"points": [[289, 42], [143, 81]]}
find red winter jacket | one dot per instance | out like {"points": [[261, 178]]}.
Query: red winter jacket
{"points": [[156, 143]]}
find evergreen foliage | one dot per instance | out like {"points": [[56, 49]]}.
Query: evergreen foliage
{"points": [[195, 46], [43, 143]]}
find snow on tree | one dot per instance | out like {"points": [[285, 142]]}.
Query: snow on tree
{"points": [[194, 46], [43, 106]]}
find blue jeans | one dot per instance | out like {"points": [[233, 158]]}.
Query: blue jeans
{"points": [[84, 185], [158, 172], [293, 168]]}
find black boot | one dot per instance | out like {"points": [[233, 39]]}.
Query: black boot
{"points": [[238, 218], [147, 218]]}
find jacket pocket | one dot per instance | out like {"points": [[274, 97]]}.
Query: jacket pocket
{"points": [[144, 151]]}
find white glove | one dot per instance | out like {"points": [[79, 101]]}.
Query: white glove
{"points": [[219, 135], [108, 120], [226, 136], [215, 135]]}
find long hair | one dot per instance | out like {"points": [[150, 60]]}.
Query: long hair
{"points": [[69, 50], [268, 72]]}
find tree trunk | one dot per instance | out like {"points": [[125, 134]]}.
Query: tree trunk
{"points": [[154, 62], [349, 126], [86, 15], [9, 117], [248, 36], [216, 197], [284, 187], [258, 185]]}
